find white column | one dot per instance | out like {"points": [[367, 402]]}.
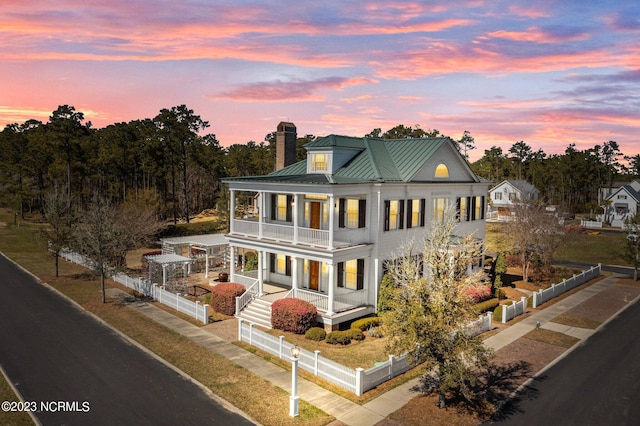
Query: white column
{"points": [[261, 213], [332, 212], [331, 292], [294, 275], [232, 209], [260, 273], [296, 219], [232, 263], [206, 262]]}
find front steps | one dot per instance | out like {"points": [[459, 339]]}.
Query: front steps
{"points": [[258, 312]]}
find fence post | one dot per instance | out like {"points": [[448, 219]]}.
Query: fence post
{"points": [[206, 313], [178, 302], [317, 354], [390, 366], [251, 334], [281, 346], [359, 381], [238, 305], [504, 314], [534, 303], [490, 319], [240, 321], [198, 310], [523, 299]]}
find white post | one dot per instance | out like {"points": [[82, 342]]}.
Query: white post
{"points": [[331, 291], [332, 212], [294, 273], [294, 399], [240, 320], [261, 214], [232, 263], [260, 273], [296, 220], [232, 208]]}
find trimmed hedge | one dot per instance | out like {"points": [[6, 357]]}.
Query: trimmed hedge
{"points": [[315, 333], [355, 334], [487, 305], [363, 324], [497, 314], [223, 297], [294, 315], [338, 338]]}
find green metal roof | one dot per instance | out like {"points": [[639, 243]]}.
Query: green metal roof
{"points": [[375, 160]]}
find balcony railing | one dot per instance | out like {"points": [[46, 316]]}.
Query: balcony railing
{"points": [[308, 236], [341, 302]]}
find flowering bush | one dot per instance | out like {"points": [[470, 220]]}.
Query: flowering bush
{"points": [[294, 315], [223, 297], [478, 293]]}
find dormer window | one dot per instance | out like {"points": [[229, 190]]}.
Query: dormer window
{"points": [[442, 171], [319, 162]]}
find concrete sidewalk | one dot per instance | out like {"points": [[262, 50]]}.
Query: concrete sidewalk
{"points": [[376, 410]]}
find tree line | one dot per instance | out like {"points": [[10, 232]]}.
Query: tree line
{"points": [[171, 164]]}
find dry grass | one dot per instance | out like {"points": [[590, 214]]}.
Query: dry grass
{"points": [[15, 418], [224, 378], [575, 321], [551, 337]]}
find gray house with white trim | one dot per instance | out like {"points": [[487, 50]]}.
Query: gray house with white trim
{"points": [[325, 226]]}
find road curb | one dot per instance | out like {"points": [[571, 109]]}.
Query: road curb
{"points": [[224, 403]]}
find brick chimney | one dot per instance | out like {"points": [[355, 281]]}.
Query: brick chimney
{"points": [[285, 145]]}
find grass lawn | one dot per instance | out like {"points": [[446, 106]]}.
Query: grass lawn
{"points": [[16, 418], [226, 379]]}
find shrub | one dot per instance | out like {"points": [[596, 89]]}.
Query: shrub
{"points": [[387, 285], [478, 293], [206, 300], [355, 334], [487, 305], [251, 263], [376, 331], [338, 338], [363, 324], [497, 314], [315, 333], [223, 297], [294, 315]]}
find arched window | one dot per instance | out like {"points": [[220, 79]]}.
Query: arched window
{"points": [[442, 171]]}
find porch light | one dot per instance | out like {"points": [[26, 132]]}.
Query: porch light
{"points": [[293, 399]]}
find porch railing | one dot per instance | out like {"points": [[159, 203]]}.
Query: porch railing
{"points": [[246, 297], [310, 236], [341, 302], [319, 300]]}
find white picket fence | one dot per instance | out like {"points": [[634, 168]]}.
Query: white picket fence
{"points": [[511, 311], [194, 309], [542, 296], [356, 380]]}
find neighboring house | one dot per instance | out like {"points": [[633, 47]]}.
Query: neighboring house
{"points": [[621, 203], [506, 194], [326, 226], [605, 192]]}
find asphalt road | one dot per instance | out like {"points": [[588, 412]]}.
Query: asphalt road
{"points": [[596, 384], [79, 372]]}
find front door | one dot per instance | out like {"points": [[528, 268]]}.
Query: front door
{"points": [[314, 222], [314, 274]]}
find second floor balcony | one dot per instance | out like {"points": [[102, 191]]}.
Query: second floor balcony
{"points": [[284, 232]]}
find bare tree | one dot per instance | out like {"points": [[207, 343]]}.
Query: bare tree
{"points": [[534, 234], [429, 311], [60, 218], [632, 247], [105, 233]]}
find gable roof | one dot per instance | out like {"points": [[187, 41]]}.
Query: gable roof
{"points": [[520, 184], [373, 160], [628, 189]]}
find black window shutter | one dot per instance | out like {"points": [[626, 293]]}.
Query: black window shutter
{"points": [[423, 207], [362, 213], [341, 212], [468, 215], [289, 208], [274, 206], [387, 208], [272, 262], [401, 214], [483, 207], [458, 216], [409, 212], [473, 208], [341, 274], [360, 283], [287, 263]]}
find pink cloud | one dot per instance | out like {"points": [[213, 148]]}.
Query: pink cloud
{"points": [[277, 91]]}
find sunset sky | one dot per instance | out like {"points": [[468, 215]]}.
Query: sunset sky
{"points": [[550, 73]]}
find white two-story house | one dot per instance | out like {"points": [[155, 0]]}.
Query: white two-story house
{"points": [[325, 226]]}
